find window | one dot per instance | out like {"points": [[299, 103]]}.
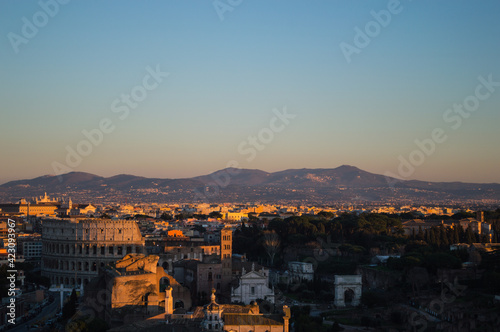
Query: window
{"points": [[252, 290]]}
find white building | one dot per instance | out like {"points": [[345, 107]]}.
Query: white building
{"points": [[236, 216], [253, 285], [32, 249], [301, 271]]}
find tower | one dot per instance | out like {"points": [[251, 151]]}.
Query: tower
{"points": [[226, 253], [212, 320]]}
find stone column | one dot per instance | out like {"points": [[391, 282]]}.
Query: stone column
{"points": [[339, 296], [169, 301]]}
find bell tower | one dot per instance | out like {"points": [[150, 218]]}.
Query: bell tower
{"points": [[226, 253]]}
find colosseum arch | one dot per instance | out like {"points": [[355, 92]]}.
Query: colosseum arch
{"points": [[166, 264]]}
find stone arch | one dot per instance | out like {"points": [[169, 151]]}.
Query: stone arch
{"points": [[166, 264], [164, 283], [179, 304], [348, 287], [179, 293], [348, 296]]}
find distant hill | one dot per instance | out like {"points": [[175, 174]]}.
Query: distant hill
{"points": [[344, 184]]}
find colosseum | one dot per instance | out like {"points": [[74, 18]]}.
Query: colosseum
{"points": [[73, 250]]}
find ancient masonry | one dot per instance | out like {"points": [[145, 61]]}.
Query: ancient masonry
{"points": [[73, 251]]}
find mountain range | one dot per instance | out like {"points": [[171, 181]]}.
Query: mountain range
{"points": [[341, 185]]}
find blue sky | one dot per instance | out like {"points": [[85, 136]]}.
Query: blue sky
{"points": [[226, 77]]}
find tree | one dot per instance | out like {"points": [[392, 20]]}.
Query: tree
{"points": [[469, 236], [166, 216], [69, 308], [271, 244], [199, 228], [215, 214], [200, 216], [326, 215], [253, 217]]}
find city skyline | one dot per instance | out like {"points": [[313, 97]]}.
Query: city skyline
{"points": [[168, 90]]}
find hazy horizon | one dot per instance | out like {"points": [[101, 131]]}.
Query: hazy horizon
{"points": [[250, 169], [170, 89]]}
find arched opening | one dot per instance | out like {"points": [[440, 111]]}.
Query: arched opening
{"points": [[164, 283], [348, 296], [165, 266], [178, 304]]}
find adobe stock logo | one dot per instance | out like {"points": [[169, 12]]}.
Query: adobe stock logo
{"points": [[250, 148], [363, 37], [121, 106], [30, 28], [222, 6], [454, 116]]}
